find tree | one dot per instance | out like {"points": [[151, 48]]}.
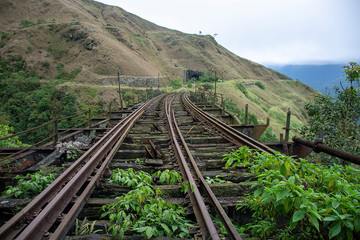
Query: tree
{"points": [[338, 116], [5, 131]]}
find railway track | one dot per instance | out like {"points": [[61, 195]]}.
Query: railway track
{"points": [[167, 132]]}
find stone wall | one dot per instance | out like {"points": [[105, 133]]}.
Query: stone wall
{"points": [[132, 81]]}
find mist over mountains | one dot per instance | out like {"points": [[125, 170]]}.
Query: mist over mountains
{"points": [[320, 77]]}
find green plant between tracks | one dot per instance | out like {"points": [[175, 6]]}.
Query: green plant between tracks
{"points": [[296, 199], [29, 186], [142, 210], [84, 227], [216, 179]]}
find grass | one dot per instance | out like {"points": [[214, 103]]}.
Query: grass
{"points": [[273, 102]]}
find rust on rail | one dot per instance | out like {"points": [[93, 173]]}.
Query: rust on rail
{"points": [[319, 147]]}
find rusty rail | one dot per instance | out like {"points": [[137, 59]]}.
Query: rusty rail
{"points": [[206, 224], [230, 133], [319, 147], [233, 234], [50, 203]]}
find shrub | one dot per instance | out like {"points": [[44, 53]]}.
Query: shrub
{"points": [[6, 130], [206, 77], [189, 84], [26, 23], [296, 199], [260, 85], [176, 83], [207, 86], [3, 39], [30, 185], [142, 210], [242, 88]]}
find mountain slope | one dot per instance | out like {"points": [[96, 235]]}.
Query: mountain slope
{"points": [[321, 77], [101, 40]]}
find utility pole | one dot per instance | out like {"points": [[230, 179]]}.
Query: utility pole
{"points": [[246, 114], [158, 81], [287, 129], [215, 86], [120, 96]]}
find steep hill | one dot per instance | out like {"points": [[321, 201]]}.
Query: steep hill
{"points": [[101, 39], [97, 41]]}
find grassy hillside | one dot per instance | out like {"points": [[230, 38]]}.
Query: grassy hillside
{"points": [[101, 39], [76, 43], [272, 99]]}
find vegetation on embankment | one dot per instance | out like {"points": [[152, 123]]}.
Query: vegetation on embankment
{"points": [[82, 42], [297, 199], [270, 99], [265, 99], [27, 102]]}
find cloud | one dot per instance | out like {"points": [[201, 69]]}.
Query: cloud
{"points": [[265, 31]]}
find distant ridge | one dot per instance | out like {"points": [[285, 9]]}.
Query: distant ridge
{"points": [[102, 40], [320, 77]]}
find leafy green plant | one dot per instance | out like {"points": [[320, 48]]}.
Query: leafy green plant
{"points": [[84, 227], [142, 210], [6, 130], [130, 178], [140, 161], [30, 185], [168, 176], [299, 199], [217, 179], [222, 228], [185, 187]]}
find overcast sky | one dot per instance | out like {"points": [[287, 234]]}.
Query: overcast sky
{"points": [[265, 31]]}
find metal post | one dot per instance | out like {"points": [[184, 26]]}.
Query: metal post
{"points": [[158, 81], [319, 147], [56, 132], [287, 129], [89, 119], [146, 90], [195, 85], [120, 96], [215, 83], [223, 104], [246, 114]]}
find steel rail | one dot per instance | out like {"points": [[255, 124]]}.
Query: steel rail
{"points": [[12, 228], [80, 201], [202, 215], [45, 219], [237, 137], [233, 234], [319, 147]]}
